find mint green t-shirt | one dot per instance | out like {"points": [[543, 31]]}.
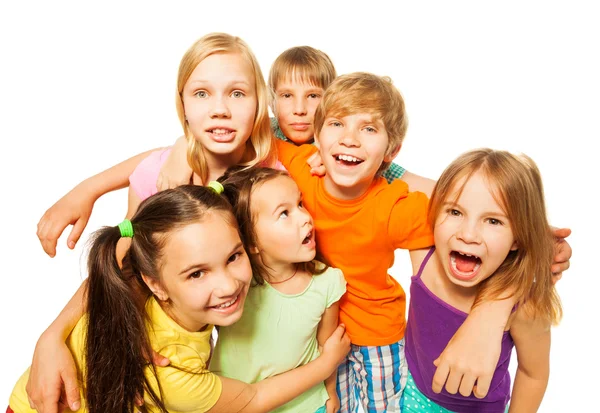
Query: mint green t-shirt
{"points": [[278, 332]]}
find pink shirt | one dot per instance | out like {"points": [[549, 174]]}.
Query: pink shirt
{"points": [[144, 177]]}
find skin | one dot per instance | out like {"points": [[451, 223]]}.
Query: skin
{"points": [[476, 224], [360, 137], [295, 106], [286, 237]]}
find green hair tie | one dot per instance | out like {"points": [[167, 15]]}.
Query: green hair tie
{"points": [[126, 228], [216, 186]]}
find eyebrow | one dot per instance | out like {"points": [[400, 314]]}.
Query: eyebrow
{"points": [[456, 204], [232, 83], [201, 264]]}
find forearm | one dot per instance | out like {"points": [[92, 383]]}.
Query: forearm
{"points": [[331, 383], [493, 314], [116, 177], [278, 390], [528, 392]]}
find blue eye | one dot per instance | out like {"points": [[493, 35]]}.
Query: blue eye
{"points": [[201, 94], [237, 94]]}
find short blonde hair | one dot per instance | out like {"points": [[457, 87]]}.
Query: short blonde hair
{"points": [[516, 184], [362, 92], [259, 148], [303, 64]]}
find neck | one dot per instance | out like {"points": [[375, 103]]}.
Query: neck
{"points": [[218, 163], [281, 272], [346, 193]]}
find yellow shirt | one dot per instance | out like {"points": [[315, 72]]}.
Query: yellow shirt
{"points": [[182, 391]]}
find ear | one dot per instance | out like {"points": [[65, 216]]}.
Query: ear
{"points": [[253, 250], [156, 288], [514, 246], [392, 155]]}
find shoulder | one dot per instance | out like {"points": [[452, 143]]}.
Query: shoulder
{"points": [[143, 179]]}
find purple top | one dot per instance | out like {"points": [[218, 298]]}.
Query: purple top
{"points": [[431, 324]]}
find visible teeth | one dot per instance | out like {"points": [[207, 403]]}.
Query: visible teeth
{"points": [[227, 304], [348, 158], [220, 131]]}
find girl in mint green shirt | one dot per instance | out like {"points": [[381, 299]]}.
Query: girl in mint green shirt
{"points": [[292, 306]]}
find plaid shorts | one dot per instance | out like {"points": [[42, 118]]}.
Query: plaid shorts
{"points": [[374, 377]]}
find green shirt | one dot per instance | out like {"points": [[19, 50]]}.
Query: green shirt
{"points": [[392, 173], [278, 332]]}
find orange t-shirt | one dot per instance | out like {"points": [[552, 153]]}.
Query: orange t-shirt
{"points": [[359, 236]]}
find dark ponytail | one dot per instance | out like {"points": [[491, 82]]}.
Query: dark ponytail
{"points": [[117, 341]]}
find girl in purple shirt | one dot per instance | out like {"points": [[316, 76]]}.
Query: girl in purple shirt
{"points": [[492, 241]]}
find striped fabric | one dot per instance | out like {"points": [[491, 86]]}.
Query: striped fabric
{"points": [[372, 377]]}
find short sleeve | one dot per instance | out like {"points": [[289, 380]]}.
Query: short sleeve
{"points": [[144, 177], [407, 226], [336, 286], [394, 172], [188, 386]]}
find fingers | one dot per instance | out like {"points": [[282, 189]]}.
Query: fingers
{"points": [[72, 391], [314, 160], [559, 267], [76, 232], [482, 387], [440, 376], [561, 232], [159, 360], [42, 234], [318, 171], [467, 382]]}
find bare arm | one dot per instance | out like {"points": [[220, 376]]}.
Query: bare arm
{"points": [[176, 170], [418, 183], [327, 326], [532, 341], [76, 206], [266, 395]]}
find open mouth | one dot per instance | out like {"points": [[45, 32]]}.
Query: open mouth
{"points": [[464, 266], [222, 134], [347, 160], [226, 305], [308, 238]]}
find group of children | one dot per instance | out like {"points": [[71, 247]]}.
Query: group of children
{"points": [[275, 242]]}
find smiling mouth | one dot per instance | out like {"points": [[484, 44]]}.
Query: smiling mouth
{"points": [[464, 266], [226, 304], [347, 160]]}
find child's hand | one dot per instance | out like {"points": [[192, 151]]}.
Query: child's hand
{"points": [[74, 209], [52, 383], [316, 164], [332, 405], [337, 347], [562, 253], [175, 171]]}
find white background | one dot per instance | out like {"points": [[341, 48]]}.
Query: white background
{"points": [[83, 87]]}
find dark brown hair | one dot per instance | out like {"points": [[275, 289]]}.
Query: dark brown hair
{"points": [[117, 344], [239, 186]]}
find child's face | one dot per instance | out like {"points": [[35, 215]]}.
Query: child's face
{"points": [[295, 106], [353, 148], [220, 103], [472, 236], [284, 229], [205, 274]]}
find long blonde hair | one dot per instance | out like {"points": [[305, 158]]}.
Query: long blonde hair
{"points": [[516, 184], [259, 148]]}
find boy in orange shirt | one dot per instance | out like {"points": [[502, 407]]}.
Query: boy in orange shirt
{"points": [[360, 221]]}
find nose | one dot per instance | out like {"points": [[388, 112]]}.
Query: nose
{"points": [[299, 106], [469, 232], [305, 218], [220, 108], [349, 138], [226, 285]]}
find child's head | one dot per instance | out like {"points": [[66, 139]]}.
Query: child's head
{"points": [[222, 103], [360, 125], [491, 230], [187, 251], [276, 229], [297, 79]]}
